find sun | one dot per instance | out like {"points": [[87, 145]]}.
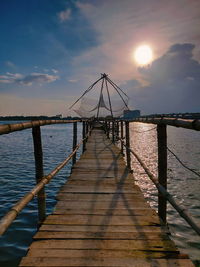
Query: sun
{"points": [[143, 55]]}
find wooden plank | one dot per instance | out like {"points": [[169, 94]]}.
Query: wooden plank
{"points": [[121, 212], [104, 262], [103, 205], [101, 235], [109, 228], [153, 245], [102, 220]]}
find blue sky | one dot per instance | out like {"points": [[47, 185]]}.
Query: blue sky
{"points": [[52, 50]]}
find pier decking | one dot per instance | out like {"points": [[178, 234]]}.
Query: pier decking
{"points": [[102, 219]]}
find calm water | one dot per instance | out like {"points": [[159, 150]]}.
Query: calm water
{"points": [[182, 184], [17, 178]]}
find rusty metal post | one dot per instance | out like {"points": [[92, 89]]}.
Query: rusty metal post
{"points": [[113, 131], [162, 169], [83, 135], [39, 173], [122, 136], [74, 141], [128, 155]]}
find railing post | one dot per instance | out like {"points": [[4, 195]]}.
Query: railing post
{"points": [[108, 129], [83, 135], [128, 155], [41, 198], [117, 128], [162, 169], [122, 136], [87, 129], [113, 131], [74, 141]]}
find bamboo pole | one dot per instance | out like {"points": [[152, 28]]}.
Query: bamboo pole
{"points": [[83, 135], [117, 128], [162, 169], [87, 128], [41, 197], [128, 156], [183, 123], [122, 136], [108, 129], [9, 128], [74, 141], [113, 131]]}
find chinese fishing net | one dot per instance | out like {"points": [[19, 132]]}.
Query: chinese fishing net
{"points": [[102, 99]]}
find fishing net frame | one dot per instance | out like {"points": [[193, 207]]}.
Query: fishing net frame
{"points": [[88, 113]]}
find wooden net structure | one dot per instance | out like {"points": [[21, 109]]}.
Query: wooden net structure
{"points": [[108, 100]]}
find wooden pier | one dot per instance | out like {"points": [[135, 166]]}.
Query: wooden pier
{"points": [[102, 219]]}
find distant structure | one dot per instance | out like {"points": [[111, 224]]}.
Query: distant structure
{"points": [[111, 103], [130, 114], [59, 116]]}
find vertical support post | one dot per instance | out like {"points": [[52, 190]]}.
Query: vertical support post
{"points": [[108, 129], [74, 141], [105, 126], [113, 131], [83, 135], [87, 127], [39, 173], [122, 136], [128, 155], [117, 128], [162, 169]]}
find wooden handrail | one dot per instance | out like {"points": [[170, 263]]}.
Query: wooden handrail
{"points": [[183, 123], [9, 128]]}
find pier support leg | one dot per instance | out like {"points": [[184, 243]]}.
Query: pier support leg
{"points": [[41, 198], [162, 169], [74, 141], [128, 155]]}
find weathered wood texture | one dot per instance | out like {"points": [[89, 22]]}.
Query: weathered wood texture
{"points": [[102, 219]]}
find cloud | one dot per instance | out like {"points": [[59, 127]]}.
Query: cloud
{"points": [[54, 70], [159, 24], [64, 15], [173, 82], [28, 79], [175, 65], [10, 64], [73, 81]]}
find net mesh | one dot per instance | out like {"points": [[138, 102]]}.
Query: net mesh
{"points": [[102, 100]]}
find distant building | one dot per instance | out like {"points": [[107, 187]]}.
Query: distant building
{"points": [[131, 114], [59, 116]]}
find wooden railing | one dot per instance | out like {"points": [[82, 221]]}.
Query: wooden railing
{"points": [[41, 179], [112, 131], [115, 129]]}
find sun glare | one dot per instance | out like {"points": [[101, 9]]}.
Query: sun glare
{"points": [[143, 55]]}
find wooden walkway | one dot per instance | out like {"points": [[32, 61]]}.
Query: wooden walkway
{"points": [[102, 219]]}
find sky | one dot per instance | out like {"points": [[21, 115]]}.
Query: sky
{"points": [[51, 51]]}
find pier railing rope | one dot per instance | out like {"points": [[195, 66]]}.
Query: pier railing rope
{"points": [[161, 181], [6, 221]]}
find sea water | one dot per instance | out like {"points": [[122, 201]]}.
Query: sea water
{"points": [[17, 177]]}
